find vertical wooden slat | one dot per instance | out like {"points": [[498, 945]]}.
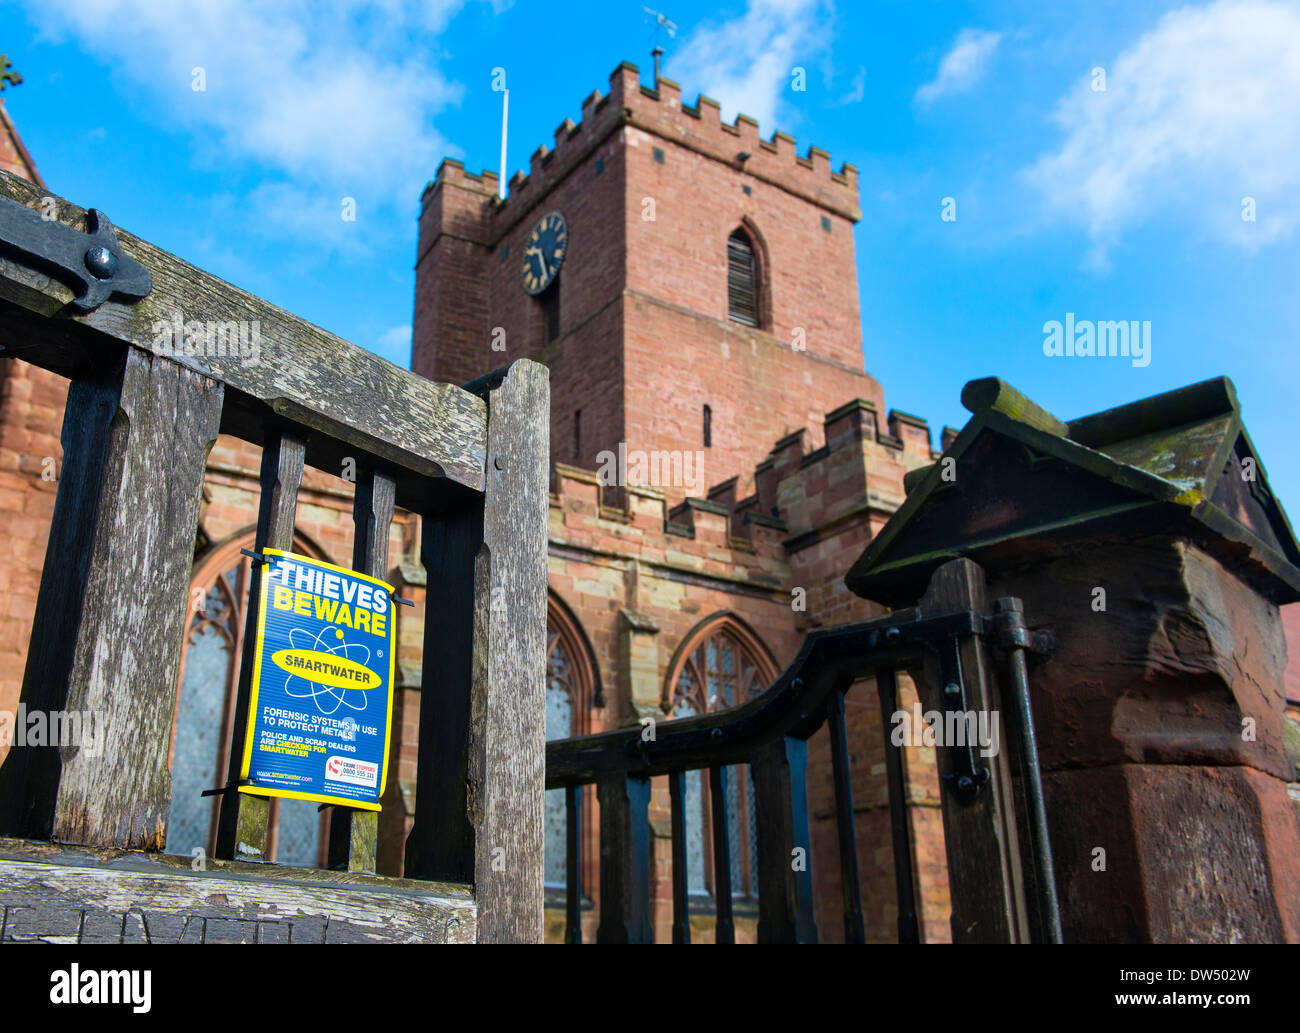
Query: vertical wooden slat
{"points": [[980, 835], [900, 832], [573, 864], [624, 860], [844, 825], [784, 867], [243, 831], [513, 685], [441, 841], [725, 926], [481, 784], [353, 834], [113, 601], [681, 912]]}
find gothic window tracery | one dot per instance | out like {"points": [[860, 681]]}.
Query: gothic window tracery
{"points": [[721, 664], [572, 690]]}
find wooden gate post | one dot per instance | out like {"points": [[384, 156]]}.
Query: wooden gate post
{"points": [[112, 606], [480, 788]]}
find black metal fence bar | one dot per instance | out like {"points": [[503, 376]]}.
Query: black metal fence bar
{"points": [[1010, 620], [573, 863], [726, 926], [844, 825], [624, 860], [908, 931], [677, 801]]}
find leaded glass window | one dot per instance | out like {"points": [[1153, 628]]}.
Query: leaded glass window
{"points": [[559, 725], [725, 668]]}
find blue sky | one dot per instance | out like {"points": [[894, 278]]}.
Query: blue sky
{"points": [[1117, 204]]}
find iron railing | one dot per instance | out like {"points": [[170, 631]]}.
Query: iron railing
{"points": [[770, 733]]}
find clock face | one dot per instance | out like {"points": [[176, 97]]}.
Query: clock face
{"points": [[543, 252]]}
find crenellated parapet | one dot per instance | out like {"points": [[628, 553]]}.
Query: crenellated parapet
{"points": [[801, 498], [660, 113], [776, 160], [636, 520]]}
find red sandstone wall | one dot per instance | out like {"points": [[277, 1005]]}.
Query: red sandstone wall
{"points": [[644, 344], [586, 362], [1291, 625], [603, 560], [450, 339], [31, 417]]}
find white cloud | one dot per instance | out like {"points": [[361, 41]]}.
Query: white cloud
{"points": [[394, 344], [963, 65], [1198, 114], [746, 64], [859, 90], [337, 95]]}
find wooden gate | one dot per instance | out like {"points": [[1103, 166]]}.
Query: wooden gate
{"points": [[145, 405], [999, 860]]}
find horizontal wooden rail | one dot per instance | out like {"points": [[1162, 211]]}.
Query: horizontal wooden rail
{"points": [[349, 401]]}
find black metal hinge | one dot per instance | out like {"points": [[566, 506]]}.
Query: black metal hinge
{"points": [[90, 263]]}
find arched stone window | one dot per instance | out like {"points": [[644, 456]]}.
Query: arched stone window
{"points": [[202, 728], [720, 664], [572, 691]]}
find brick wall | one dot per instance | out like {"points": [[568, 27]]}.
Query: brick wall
{"points": [[31, 415], [31, 458]]}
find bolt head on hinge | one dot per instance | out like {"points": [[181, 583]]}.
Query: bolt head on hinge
{"points": [[101, 262]]}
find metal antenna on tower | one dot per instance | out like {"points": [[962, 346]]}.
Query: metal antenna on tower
{"points": [[661, 22]]}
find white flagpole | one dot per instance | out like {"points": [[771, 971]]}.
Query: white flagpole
{"points": [[505, 115]]}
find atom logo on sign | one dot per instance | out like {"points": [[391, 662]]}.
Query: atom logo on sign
{"points": [[332, 676]]}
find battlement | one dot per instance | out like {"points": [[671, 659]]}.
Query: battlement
{"points": [[858, 472], [738, 144], [800, 496], [661, 113], [451, 171]]}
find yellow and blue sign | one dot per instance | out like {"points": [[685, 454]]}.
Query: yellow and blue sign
{"points": [[321, 709]]}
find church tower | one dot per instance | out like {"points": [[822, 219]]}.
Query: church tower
{"points": [[691, 286]]}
